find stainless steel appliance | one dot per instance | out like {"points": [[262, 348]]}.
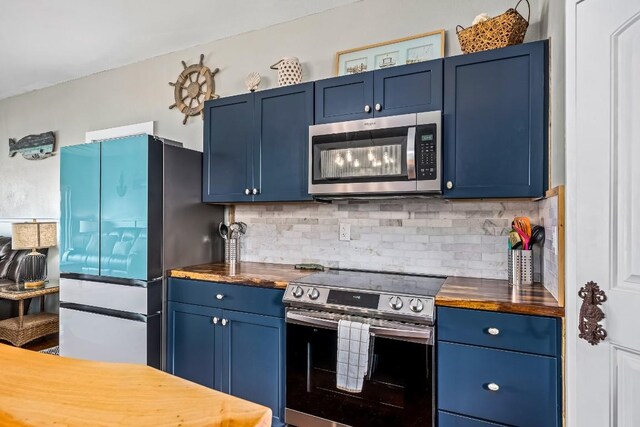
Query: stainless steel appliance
{"points": [[399, 386], [398, 155]]}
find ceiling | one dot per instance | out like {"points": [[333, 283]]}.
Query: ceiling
{"points": [[45, 42]]}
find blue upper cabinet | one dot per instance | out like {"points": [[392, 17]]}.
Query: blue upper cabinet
{"points": [[80, 209], [495, 123], [386, 92], [282, 117], [228, 167], [124, 193], [344, 98], [408, 89], [255, 146]]}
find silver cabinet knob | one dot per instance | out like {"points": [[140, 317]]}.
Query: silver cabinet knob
{"points": [[378, 107], [493, 331], [490, 386], [449, 185], [314, 293], [297, 292], [395, 303], [247, 191], [367, 108], [416, 305], [255, 191], [224, 322], [219, 296], [215, 320]]}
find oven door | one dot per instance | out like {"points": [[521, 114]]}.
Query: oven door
{"points": [[398, 390], [363, 156]]}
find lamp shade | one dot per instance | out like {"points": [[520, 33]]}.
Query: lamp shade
{"points": [[33, 235]]}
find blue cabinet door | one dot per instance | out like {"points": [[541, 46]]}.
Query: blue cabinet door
{"points": [[280, 152], [408, 89], [253, 360], [124, 197], [344, 98], [80, 209], [228, 168], [495, 123], [497, 385], [194, 344]]}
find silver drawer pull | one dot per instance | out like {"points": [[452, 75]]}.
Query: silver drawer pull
{"points": [[493, 331], [219, 296], [224, 322], [214, 320], [493, 386]]}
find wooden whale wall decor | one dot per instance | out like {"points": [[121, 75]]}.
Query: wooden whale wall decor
{"points": [[33, 147]]}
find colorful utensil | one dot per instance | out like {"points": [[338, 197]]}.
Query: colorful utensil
{"points": [[523, 223]]}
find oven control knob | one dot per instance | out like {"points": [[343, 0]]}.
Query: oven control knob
{"points": [[314, 293], [416, 305], [395, 303], [297, 292]]}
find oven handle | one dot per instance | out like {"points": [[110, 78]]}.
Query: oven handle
{"points": [[411, 153], [419, 334]]}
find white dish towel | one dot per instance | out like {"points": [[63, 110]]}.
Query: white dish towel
{"points": [[353, 355]]}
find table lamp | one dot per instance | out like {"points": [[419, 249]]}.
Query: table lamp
{"points": [[34, 235]]}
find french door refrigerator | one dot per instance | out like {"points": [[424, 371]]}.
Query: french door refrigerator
{"points": [[130, 210]]}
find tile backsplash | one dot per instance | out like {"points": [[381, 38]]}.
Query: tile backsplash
{"points": [[428, 236]]}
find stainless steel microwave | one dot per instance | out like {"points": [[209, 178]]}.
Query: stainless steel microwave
{"points": [[386, 156]]}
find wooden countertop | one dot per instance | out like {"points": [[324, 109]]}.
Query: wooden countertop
{"points": [[244, 273], [44, 390], [498, 295]]}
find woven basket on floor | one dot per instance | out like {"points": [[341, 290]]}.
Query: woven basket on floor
{"points": [[502, 31]]}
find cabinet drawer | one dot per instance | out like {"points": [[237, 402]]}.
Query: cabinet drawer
{"points": [[446, 419], [527, 393], [234, 297], [530, 334]]}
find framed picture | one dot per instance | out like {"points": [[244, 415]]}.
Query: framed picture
{"points": [[408, 50]]}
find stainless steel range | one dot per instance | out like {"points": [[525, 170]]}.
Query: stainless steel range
{"points": [[398, 388]]}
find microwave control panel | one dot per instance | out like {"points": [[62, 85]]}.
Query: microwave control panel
{"points": [[426, 153]]}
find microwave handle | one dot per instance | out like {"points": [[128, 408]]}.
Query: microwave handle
{"points": [[411, 153]]}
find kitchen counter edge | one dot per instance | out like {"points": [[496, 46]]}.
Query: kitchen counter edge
{"points": [[265, 275], [498, 295]]}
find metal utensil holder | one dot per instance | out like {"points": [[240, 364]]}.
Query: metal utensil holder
{"points": [[520, 267], [232, 251]]}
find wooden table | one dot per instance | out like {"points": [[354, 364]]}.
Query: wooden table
{"points": [[24, 328], [44, 390]]}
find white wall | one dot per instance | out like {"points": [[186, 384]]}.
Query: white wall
{"points": [[140, 92], [552, 26]]}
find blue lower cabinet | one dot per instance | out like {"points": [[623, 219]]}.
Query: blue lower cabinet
{"points": [[498, 368], [194, 344], [253, 360], [503, 386], [445, 419], [233, 351]]}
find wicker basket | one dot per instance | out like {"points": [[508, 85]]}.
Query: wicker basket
{"points": [[502, 31]]}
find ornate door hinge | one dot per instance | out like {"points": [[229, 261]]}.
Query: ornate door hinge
{"points": [[590, 314]]}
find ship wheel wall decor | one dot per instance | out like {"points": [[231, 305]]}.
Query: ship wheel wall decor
{"points": [[194, 86]]}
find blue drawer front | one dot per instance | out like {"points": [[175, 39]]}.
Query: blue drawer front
{"points": [[530, 334], [250, 299], [446, 419], [527, 395]]}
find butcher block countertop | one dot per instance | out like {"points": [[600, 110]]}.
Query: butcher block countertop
{"points": [[498, 295], [44, 390], [261, 274]]}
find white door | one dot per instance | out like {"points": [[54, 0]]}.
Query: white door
{"points": [[603, 208]]}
